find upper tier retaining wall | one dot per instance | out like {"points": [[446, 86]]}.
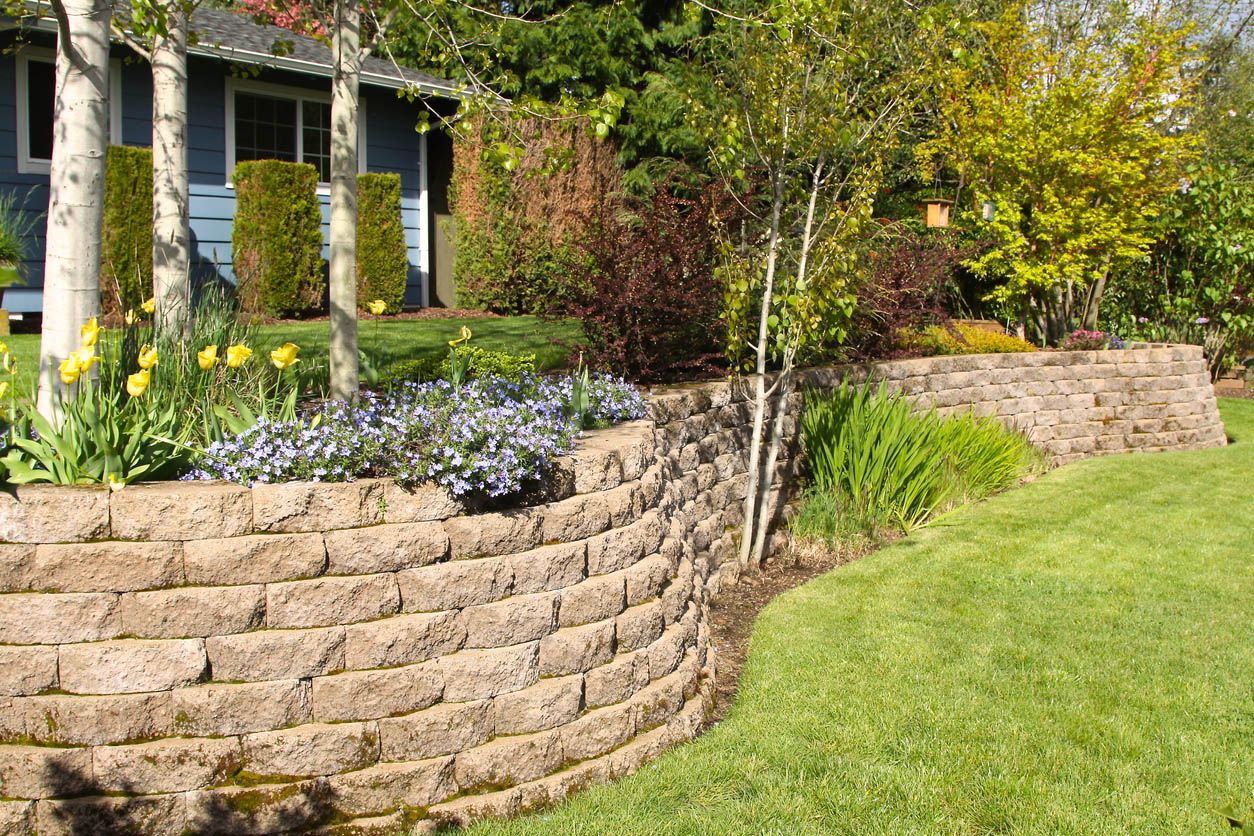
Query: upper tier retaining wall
{"points": [[203, 657]]}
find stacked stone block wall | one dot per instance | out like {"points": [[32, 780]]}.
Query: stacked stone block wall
{"points": [[361, 658]]}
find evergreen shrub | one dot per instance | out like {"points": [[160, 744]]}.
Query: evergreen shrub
{"points": [[126, 234], [277, 238], [382, 260]]}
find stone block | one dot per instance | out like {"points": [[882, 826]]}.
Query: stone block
{"points": [[402, 640], [597, 468], [276, 654], [494, 534], [17, 818], [455, 584], [320, 602], [262, 558], [54, 514], [547, 704], [595, 599], [108, 566], [515, 620], [311, 750], [193, 611], [27, 670], [172, 765], [385, 548], [181, 511], [41, 771], [151, 815], [418, 503], [646, 579], [391, 786], [547, 568], [129, 666], [622, 547], [58, 618], [95, 721], [659, 701], [462, 811], [317, 506], [638, 626], [443, 729], [577, 649], [576, 518], [598, 732], [616, 681], [260, 810], [16, 561], [231, 709], [508, 761], [478, 674], [668, 650], [369, 695]]}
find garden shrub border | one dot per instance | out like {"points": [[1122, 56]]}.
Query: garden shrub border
{"points": [[361, 656], [126, 232]]}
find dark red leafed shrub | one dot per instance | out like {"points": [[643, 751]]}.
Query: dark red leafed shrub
{"points": [[652, 303], [910, 280]]}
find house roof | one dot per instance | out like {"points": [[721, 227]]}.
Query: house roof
{"points": [[232, 37]]}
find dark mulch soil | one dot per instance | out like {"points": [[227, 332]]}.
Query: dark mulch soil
{"points": [[732, 616]]}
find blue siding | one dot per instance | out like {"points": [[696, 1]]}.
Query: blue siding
{"points": [[392, 145]]}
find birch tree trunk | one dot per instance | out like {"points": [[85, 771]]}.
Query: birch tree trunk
{"points": [[346, 49], [171, 240], [75, 185]]}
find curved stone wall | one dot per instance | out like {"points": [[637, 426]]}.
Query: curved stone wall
{"points": [[353, 658]]}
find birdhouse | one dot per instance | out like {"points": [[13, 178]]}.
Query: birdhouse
{"points": [[938, 212], [988, 211]]}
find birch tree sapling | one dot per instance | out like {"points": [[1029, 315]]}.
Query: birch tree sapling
{"points": [[75, 185], [812, 111]]}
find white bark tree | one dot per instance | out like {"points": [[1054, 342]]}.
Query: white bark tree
{"points": [[347, 53], [75, 185]]}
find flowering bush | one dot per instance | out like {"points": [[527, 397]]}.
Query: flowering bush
{"points": [[492, 435], [1081, 340]]}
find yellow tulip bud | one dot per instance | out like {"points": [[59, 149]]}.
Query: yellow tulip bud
{"points": [[147, 357], [89, 333], [284, 356], [137, 383], [377, 307], [465, 335], [207, 357], [237, 354], [69, 371], [4, 349], [130, 317], [4, 388], [150, 306]]}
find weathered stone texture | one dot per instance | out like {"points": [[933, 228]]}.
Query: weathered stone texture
{"points": [[27, 670], [317, 506], [577, 649], [229, 709], [130, 666], [54, 514], [56, 618], [518, 619], [509, 760], [476, 674], [193, 611], [388, 786], [76, 720], [370, 695], [263, 558], [547, 704], [172, 765], [458, 583], [385, 548], [188, 511], [325, 601], [311, 750], [276, 654], [440, 730], [402, 640], [108, 566]]}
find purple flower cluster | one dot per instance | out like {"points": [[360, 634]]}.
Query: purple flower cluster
{"points": [[491, 435]]}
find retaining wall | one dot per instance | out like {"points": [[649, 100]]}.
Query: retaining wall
{"points": [[357, 658]]}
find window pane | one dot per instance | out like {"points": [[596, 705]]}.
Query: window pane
{"points": [[316, 133], [265, 128], [41, 85]]}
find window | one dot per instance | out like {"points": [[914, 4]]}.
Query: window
{"points": [[36, 107], [270, 122]]}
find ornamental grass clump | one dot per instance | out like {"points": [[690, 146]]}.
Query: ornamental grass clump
{"points": [[876, 465], [489, 436]]}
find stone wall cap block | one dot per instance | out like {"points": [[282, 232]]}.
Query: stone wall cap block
{"points": [[54, 514], [181, 511], [128, 666], [317, 506], [419, 503]]}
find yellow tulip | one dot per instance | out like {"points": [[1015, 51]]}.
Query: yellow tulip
{"points": [[237, 354], [4, 388], [284, 356], [465, 335], [85, 358], [207, 357], [137, 383], [4, 349], [69, 371], [150, 306], [377, 307], [89, 333], [130, 319], [147, 357]]}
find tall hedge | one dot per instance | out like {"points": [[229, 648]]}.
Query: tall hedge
{"points": [[382, 260], [126, 234], [277, 238]]}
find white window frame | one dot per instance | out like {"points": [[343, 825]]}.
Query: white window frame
{"points": [[283, 91], [26, 164]]}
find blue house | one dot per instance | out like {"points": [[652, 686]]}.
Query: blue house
{"points": [[245, 101]]}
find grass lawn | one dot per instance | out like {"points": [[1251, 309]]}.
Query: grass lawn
{"points": [[402, 338], [1072, 657]]}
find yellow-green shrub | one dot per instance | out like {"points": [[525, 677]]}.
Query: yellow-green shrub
{"points": [[980, 341]]}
